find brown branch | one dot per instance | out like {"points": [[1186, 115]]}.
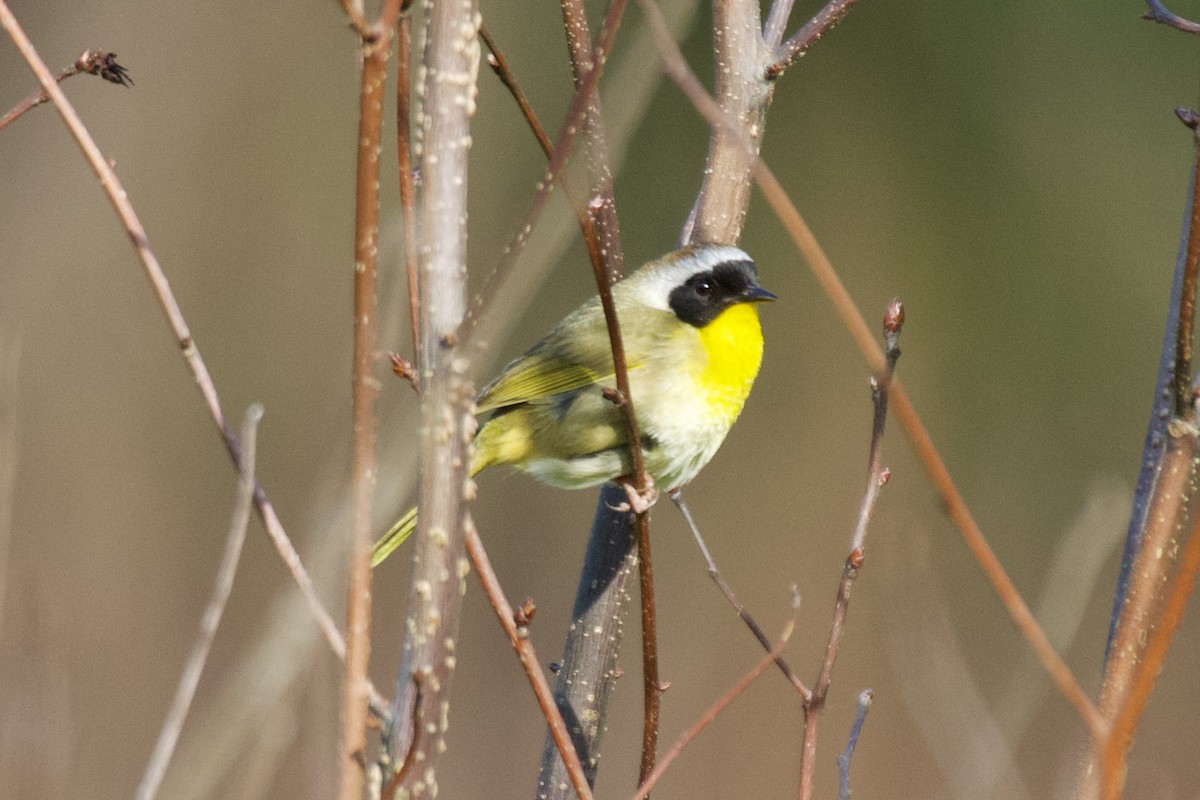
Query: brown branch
{"points": [[711, 713], [831, 14], [119, 199], [189, 679], [357, 19], [676, 496], [518, 637], [365, 388], [90, 62], [804, 240]]}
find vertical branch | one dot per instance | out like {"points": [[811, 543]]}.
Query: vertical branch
{"points": [[365, 387], [451, 66], [408, 184], [742, 93]]}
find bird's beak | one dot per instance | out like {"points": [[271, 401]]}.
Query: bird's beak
{"points": [[757, 294]]}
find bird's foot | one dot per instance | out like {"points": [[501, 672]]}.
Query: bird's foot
{"points": [[638, 502]]}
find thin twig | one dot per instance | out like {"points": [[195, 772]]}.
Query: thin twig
{"points": [[877, 477], [676, 496], [172, 726], [831, 14], [711, 713], [90, 62], [119, 198], [864, 705], [518, 637], [1159, 13], [776, 196], [376, 53]]}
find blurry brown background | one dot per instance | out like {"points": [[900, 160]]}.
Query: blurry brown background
{"points": [[1013, 172]]}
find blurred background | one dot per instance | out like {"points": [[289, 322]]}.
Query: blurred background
{"points": [[1017, 177]]}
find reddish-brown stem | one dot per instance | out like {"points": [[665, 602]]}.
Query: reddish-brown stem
{"points": [[711, 713], [804, 240], [518, 637], [1187, 312], [365, 388]]}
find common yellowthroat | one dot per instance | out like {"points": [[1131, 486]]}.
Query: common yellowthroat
{"points": [[693, 345]]}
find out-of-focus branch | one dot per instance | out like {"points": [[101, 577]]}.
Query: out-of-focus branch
{"points": [[451, 68], [119, 198], [408, 183], [168, 735], [376, 53], [90, 62]]}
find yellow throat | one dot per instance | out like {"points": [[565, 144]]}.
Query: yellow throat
{"points": [[733, 343]]}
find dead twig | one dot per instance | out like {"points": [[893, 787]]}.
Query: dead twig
{"points": [[1157, 12], [788, 53], [860, 716]]}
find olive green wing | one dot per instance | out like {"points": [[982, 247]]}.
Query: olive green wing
{"points": [[537, 375]]}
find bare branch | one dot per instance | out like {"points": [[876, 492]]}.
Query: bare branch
{"points": [[168, 736], [364, 390], [440, 566]]}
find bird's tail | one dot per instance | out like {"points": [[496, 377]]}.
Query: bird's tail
{"points": [[394, 537]]}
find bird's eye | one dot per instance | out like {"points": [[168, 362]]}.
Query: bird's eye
{"points": [[704, 288]]}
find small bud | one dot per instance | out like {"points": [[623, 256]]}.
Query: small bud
{"points": [[893, 318]]}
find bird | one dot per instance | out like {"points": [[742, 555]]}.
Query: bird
{"points": [[693, 347]]}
